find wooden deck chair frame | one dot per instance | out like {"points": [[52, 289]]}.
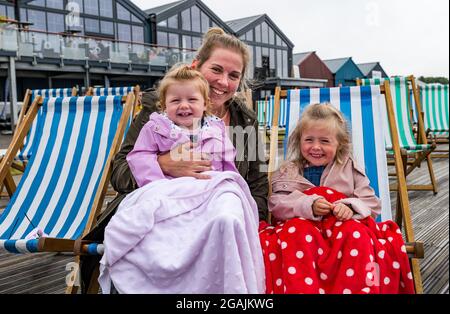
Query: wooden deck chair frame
{"points": [[415, 249], [410, 160], [20, 166], [47, 244], [137, 106]]}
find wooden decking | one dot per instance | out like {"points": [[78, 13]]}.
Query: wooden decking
{"points": [[46, 272]]}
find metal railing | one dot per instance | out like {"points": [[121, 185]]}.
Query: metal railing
{"points": [[45, 45]]}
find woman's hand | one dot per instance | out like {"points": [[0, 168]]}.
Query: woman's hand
{"points": [[321, 207], [182, 161], [342, 212]]}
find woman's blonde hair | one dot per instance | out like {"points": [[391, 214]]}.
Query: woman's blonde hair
{"points": [[313, 113], [183, 73], [217, 38]]}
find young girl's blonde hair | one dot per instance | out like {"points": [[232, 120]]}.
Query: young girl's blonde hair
{"points": [[335, 120], [183, 73], [217, 38]]}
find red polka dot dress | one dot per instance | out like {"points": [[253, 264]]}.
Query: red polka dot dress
{"points": [[330, 256]]}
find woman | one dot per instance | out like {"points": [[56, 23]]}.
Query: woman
{"points": [[223, 61]]}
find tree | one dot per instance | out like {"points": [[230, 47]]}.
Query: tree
{"points": [[432, 79]]}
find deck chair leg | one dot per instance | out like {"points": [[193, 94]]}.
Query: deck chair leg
{"points": [[10, 185], [415, 269], [432, 177], [398, 211], [94, 286]]}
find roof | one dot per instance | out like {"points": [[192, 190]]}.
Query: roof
{"points": [[298, 58], [238, 24], [335, 64], [162, 8], [366, 68]]}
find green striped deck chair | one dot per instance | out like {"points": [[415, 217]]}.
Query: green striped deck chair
{"points": [[62, 190], [265, 111], [413, 151], [360, 105], [435, 102]]}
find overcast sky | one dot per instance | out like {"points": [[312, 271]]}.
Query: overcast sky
{"points": [[405, 36]]}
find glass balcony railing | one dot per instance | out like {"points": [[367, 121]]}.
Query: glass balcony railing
{"points": [[69, 47]]}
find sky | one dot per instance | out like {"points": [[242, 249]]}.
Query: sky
{"points": [[405, 36]]}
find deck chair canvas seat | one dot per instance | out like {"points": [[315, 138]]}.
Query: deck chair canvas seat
{"points": [[361, 107], [63, 187], [265, 111], [115, 91], [413, 151], [435, 106]]}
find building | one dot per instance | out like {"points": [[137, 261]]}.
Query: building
{"points": [[372, 70], [345, 71], [311, 66]]}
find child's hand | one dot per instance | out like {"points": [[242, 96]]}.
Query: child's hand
{"points": [[321, 207], [342, 212]]}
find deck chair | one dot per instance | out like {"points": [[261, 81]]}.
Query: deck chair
{"points": [[435, 102], [20, 161], [360, 105], [62, 190], [413, 151]]}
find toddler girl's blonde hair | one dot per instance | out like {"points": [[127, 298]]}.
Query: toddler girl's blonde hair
{"points": [[335, 120], [183, 73]]}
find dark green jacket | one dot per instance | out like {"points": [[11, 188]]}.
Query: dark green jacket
{"points": [[123, 182]]}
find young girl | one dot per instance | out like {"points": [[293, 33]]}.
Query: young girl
{"points": [[184, 235], [326, 239]]}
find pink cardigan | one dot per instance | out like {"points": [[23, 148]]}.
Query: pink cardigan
{"points": [[287, 200]]}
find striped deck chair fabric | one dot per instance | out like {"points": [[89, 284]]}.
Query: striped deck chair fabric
{"points": [[112, 91], [360, 106], [73, 139], [400, 95], [27, 150], [265, 112], [435, 104]]}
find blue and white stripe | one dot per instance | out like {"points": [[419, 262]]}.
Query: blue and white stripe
{"points": [[266, 111], [112, 91], [360, 105], [56, 192], [27, 149]]}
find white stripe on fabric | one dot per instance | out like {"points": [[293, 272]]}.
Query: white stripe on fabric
{"points": [[25, 190], [294, 112], [63, 176], [20, 232], [383, 179], [21, 246], [98, 167], [82, 166], [357, 127], [314, 96], [404, 92]]}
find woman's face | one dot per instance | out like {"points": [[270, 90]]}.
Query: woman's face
{"points": [[223, 71]]}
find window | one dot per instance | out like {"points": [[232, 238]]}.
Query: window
{"points": [[186, 20], [2, 10], [135, 19], [39, 3], [162, 23], [106, 8], [173, 22], [174, 40], [285, 64], [251, 66], [271, 36], [38, 20], [272, 59], [279, 64], [162, 39], [195, 11], [91, 7], [196, 42], [55, 4], [258, 57], [205, 22], [122, 13], [75, 6], [91, 25], [138, 33], [265, 32], [124, 32], [8, 11], [186, 42], [55, 22], [107, 27], [249, 35], [258, 33], [279, 42]]}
